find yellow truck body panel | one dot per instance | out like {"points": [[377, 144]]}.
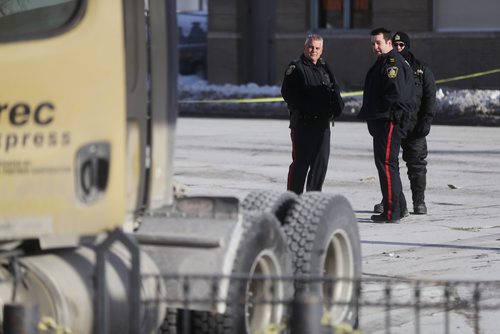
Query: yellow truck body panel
{"points": [[61, 96]]}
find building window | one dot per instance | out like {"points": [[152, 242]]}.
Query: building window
{"points": [[344, 14], [466, 15]]}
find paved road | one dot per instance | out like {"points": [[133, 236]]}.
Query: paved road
{"points": [[232, 157], [458, 240]]}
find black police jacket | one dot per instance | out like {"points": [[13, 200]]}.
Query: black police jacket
{"points": [[389, 91], [425, 92], [308, 89]]}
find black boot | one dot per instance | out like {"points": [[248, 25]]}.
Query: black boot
{"points": [[379, 208], [418, 185], [419, 208]]}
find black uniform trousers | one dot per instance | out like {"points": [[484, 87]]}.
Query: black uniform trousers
{"points": [[387, 138], [415, 153], [310, 155]]}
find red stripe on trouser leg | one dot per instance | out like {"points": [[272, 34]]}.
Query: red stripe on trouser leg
{"points": [[292, 166], [388, 172]]}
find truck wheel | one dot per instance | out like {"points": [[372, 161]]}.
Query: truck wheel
{"points": [[277, 203], [199, 322], [254, 301], [170, 322], [323, 237]]}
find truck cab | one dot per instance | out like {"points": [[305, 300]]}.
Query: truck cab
{"points": [[79, 102], [87, 118], [92, 238]]}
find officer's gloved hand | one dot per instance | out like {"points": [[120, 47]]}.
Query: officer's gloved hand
{"points": [[422, 129]]}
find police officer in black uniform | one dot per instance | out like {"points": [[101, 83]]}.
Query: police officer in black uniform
{"points": [[388, 107], [415, 145], [311, 93]]}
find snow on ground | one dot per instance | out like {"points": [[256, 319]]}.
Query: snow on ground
{"points": [[454, 106], [192, 87]]}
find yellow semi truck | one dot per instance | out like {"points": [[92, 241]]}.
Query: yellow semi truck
{"points": [[90, 227]]}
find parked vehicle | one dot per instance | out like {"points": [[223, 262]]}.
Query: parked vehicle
{"points": [[192, 42]]}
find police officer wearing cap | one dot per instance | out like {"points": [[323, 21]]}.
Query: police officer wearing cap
{"points": [[388, 108], [415, 144], [313, 98]]}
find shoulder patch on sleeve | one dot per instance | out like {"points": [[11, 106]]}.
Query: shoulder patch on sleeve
{"points": [[392, 72], [290, 69]]}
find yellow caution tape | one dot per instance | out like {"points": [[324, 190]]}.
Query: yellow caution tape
{"points": [[468, 76], [344, 94], [256, 100], [260, 99]]}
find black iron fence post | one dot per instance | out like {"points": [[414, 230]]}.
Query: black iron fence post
{"points": [[307, 310], [20, 318]]}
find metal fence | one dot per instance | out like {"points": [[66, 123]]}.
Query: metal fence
{"points": [[258, 304], [381, 305], [263, 305]]}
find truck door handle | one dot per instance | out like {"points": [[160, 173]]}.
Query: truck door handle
{"points": [[92, 171]]}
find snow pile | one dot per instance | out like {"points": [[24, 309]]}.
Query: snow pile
{"points": [[192, 87], [454, 106], [195, 93], [468, 107], [466, 101]]}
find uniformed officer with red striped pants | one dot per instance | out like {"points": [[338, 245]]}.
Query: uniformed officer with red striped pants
{"points": [[388, 108]]}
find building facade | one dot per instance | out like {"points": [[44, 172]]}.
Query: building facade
{"points": [[191, 5], [254, 40]]}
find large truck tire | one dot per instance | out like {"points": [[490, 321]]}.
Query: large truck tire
{"points": [[263, 251], [170, 322], [274, 202], [323, 237]]}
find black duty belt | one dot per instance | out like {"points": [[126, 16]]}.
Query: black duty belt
{"points": [[306, 117]]}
